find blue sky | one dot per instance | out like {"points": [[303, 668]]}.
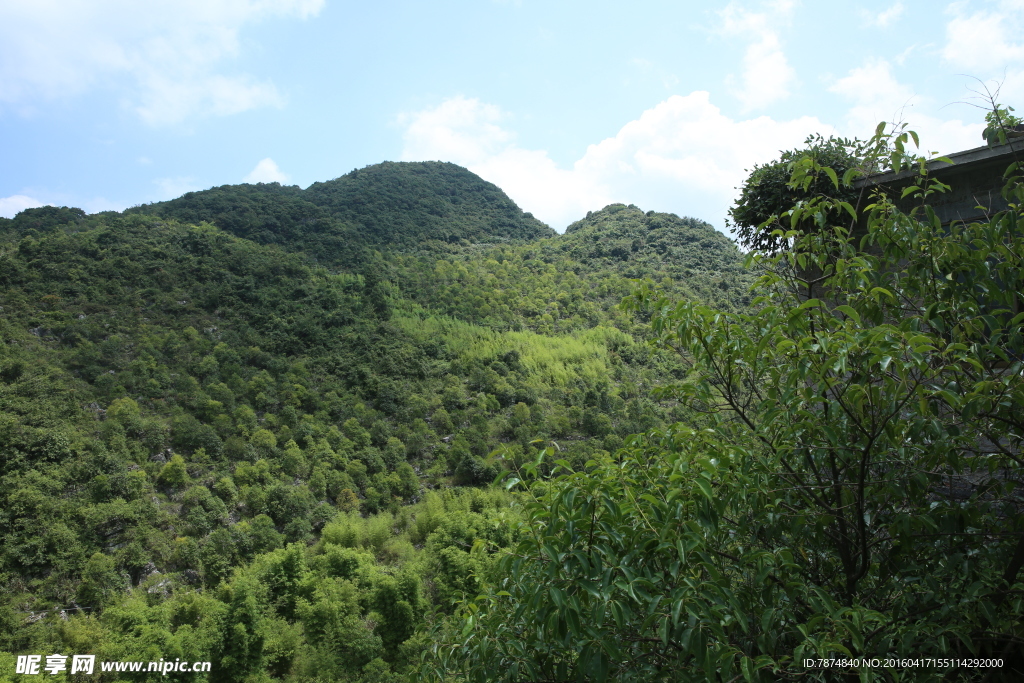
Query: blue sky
{"points": [[566, 105]]}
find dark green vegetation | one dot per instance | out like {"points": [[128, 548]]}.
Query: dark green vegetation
{"points": [[767, 193], [255, 425], [851, 491], [258, 426], [398, 205], [1000, 122]]}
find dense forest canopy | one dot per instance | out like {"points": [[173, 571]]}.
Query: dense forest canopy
{"points": [[842, 500], [255, 425], [397, 205], [392, 428]]}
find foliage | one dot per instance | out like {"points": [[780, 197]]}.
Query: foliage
{"points": [[999, 121], [244, 442], [852, 492], [408, 203], [405, 204], [767, 193], [574, 281]]}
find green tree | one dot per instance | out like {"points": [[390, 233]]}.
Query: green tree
{"points": [[767, 193], [101, 582], [174, 474], [999, 122], [241, 649], [375, 289], [849, 492], [344, 642]]}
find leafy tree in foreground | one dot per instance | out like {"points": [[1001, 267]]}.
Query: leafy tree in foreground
{"points": [[1000, 122], [851, 494], [767, 193]]}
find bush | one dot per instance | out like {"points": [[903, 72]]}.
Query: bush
{"points": [[849, 492], [767, 193]]}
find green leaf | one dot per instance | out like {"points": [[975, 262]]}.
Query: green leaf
{"points": [[705, 487], [832, 176], [677, 610], [876, 292], [848, 208], [747, 669], [810, 303], [572, 618], [850, 312]]}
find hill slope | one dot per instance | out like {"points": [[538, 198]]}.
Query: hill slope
{"points": [[200, 428], [407, 203], [625, 233], [398, 205], [574, 281]]}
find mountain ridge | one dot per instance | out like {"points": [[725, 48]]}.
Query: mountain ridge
{"points": [[297, 396], [390, 205]]}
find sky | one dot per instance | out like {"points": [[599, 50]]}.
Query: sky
{"points": [[567, 106]]}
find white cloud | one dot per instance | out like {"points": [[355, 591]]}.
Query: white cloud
{"points": [[168, 101], [465, 129], [877, 96], [467, 132], [162, 56], [767, 75], [99, 203], [885, 18], [1011, 90], [988, 45], [985, 40], [682, 155], [901, 58], [686, 146], [555, 195], [171, 188], [10, 206], [266, 171]]}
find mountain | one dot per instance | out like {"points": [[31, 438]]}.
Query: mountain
{"points": [[268, 213], [395, 205], [407, 203], [626, 233], [703, 262], [262, 420]]}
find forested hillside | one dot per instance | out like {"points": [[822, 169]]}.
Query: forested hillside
{"points": [[390, 428], [406, 205], [257, 425], [842, 496]]}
